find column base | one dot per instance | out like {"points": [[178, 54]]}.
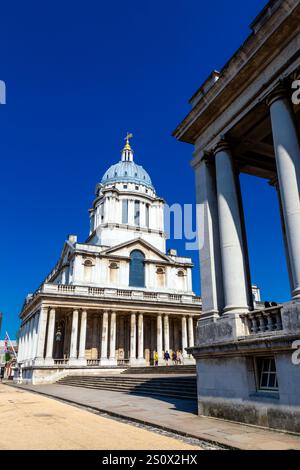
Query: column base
{"points": [[48, 361], [137, 362], [81, 361], [73, 361], [233, 310], [39, 361], [209, 316], [140, 362], [105, 361]]}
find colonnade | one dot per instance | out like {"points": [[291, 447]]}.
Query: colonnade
{"points": [[39, 336], [223, 255]]}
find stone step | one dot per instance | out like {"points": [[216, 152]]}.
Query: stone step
{"points": [[160, 392], [156, 380], [191, 389], [188, 369]]}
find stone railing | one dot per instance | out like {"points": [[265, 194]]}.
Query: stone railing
{"points": [[261, 321], [61, 362], [111, 293], [93, 362], [123, 362]]}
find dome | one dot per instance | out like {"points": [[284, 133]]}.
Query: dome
{"points": [[127, 172]]}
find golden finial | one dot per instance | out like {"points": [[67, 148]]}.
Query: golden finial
{"points": [[127, 145]]}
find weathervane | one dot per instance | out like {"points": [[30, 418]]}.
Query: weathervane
{"points": [[128, 136]]}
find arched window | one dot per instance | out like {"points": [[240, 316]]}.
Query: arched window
{"points": [[137, 269]]}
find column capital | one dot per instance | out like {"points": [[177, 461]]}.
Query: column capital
{"points": [[280, 92], [222, 146]]}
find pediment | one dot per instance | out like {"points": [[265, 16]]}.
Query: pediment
{"points": [[150, 252]]}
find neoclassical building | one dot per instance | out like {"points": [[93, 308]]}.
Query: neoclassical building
{"points": [[115, 299]]}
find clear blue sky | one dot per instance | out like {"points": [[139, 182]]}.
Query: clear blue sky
{"points": [[78, 76]]}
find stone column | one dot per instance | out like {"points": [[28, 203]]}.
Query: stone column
{"points": [[20, 344], [27, 326], [95, 339], [184, 336], [208, 239], [166, 333], [112, 344], [141, 358], [35, 335], [104, 341], [287, 154], [74, 336], [50, 339], [133, 338], [235, 280], [39, 360], [191, 332], [82, 338], [159, 341]]}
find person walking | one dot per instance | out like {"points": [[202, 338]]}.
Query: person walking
{"points": [[180, 358], [155, 356], [174, 358], [167, 357]]}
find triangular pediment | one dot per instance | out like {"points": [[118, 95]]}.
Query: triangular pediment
{"points": [[150, 251]]}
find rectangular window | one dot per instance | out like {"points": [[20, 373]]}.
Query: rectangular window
{"points": [[125, 211], [266, 373], [137, 212], [147, 215], [101, 213]]}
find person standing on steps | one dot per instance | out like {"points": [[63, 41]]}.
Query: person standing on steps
{"points": [[174, 358], [155, 356], [167, 357]]}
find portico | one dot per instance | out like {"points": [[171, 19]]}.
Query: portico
{"points": [[100, 336], [243, 120]]}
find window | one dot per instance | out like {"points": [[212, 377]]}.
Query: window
{"points": [[113, 265], [147, 215], [137, 212], [88, 266], [180, 273], [101, 212], [266, 373], [137, 269], [124, 211]]}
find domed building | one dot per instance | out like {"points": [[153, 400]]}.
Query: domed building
{"points": [[117, 298]]}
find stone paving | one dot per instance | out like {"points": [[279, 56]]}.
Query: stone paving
{"points": [[34, 422], [174, 415]]}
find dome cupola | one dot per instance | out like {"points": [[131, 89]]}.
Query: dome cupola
{"points": [[126, 170]]}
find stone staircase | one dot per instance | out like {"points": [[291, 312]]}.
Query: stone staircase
{"points": [[184, 387], [184, 369]]}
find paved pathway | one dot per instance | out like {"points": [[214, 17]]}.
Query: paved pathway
{"points": [[34, 422], [175, 415]]}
